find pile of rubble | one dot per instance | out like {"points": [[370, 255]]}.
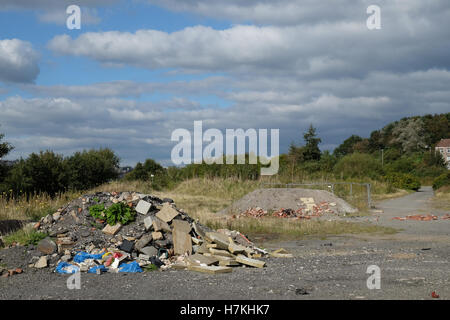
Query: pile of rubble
{"points": [[159, 236], [422, 217], [307, 209]]}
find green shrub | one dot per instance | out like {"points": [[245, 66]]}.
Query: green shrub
{"points": [[403, 181], [358, 165], [97, 211], [91, 168], [442, 180], [116, 213]]}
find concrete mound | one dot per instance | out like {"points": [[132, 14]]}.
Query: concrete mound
{"points": [[272, 199]]}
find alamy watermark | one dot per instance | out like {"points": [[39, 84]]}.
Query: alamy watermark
{"points": [[74, 19], [374, 20], [374, 281], [214, 151]]}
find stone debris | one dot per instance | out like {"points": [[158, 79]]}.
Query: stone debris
{"points": [[306, 210], [421, 217], [159, 234], [281, 253]]}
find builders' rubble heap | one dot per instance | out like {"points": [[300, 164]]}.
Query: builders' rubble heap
{"points": [[423, 217], [307, 209], [154, 234]]}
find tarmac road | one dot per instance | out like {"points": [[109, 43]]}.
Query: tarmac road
{"points": [[412, 263]]}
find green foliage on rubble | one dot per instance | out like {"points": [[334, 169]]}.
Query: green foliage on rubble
{"points": [[116, 213], [97, 211]]}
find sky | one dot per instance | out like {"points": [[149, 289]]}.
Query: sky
{"points": [[138, 70]]}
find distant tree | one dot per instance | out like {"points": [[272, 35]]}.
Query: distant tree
{"points": [[347, 146], [44, 172], [92, 168], [311, 148], [5, 147]]}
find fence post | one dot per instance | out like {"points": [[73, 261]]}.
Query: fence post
{"points": [[369, 202], [351, 189]]}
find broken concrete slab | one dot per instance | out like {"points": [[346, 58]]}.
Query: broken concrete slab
{"points": [[182, 242], [210, 269], [42, 262], [199, 259], [149, 251], [143, 241], [143, 207], [229, 263], [236, 248], [112, 230], [156, 235], [203, 248], [199, 230], [159, 225], [250, 262], [219, 252], [167, 213], [181, 225], [220, 239], [148, 223]]}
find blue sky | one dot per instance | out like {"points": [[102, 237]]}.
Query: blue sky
{"points": [[138, 70]]}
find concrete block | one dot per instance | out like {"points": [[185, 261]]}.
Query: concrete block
{"points": [[143, 207], [157, 235], [112, 230], [159, 225], [167, 213]]}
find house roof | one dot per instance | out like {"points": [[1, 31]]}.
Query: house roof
{"points": [[444, 143]]}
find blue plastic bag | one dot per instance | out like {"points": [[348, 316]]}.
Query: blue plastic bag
{"points": [[130, 267], [64, 267], [81, 256], [94, 269]]}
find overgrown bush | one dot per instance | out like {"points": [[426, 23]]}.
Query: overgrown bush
{"points": [[403, 181], [441, 181], [358, 165], [91, 168]]}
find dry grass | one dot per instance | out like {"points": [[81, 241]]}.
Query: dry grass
{"points": [[201, 199], [33, 207], [441, 199]]}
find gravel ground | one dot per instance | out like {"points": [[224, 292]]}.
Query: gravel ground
{"points": [[413, 263]]}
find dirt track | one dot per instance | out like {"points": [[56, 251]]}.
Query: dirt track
{"points": [[413, 263]]}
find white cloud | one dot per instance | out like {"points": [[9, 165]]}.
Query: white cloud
{"points": [[18, 61]]}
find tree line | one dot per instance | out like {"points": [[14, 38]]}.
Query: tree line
{"points": [[401, 153]]}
